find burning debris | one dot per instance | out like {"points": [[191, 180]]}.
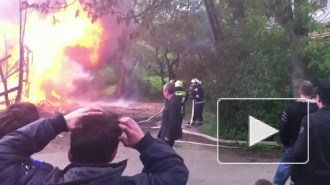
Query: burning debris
{"points": [[54, 55]]}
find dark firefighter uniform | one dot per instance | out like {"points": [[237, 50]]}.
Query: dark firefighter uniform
{"points": [[183, 94], [197, 94], [317, 169]]}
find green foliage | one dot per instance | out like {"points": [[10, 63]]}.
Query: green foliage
{"points": [[303, 18], [110, 90], [317, 53], [254, 56], [234, 115], [156, 83], [210, 119], [108, 75], [265, 148]]}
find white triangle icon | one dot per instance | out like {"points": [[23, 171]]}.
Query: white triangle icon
{"points": [[259, 131]]}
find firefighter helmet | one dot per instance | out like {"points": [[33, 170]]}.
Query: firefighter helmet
{"points": [[195, 81], [178, 83]]}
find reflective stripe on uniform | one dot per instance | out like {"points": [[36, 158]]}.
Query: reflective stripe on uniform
{"points": [[180, 93]]}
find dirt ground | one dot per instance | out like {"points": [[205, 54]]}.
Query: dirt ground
{"points": [[200, 160]]}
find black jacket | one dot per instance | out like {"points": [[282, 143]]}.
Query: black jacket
{"points": [[317, 170], [171, 120], [291, 120], [181, 92], [159, 159], [197, 93]]}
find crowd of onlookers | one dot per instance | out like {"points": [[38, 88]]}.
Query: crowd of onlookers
{"points": [[95, 136], [94, 140]]}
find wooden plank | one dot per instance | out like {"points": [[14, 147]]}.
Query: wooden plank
{"points": [[11, 74], [4, 82], [5, 59], [9, 91]]}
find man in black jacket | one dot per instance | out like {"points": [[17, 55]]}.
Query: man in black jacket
{"points": [[89, 162], [171, 129], [317, 169], [289, 128]]}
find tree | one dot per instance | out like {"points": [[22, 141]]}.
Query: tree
{"points": [[177, 32], [214, 20], [296, 20]]}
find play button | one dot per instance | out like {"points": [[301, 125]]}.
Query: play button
{"points": [[259, 131]]}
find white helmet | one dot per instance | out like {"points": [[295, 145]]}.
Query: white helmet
{"points": [[196, 81]]}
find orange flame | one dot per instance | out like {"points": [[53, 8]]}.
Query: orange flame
{"points": [[53, 46], [56, 95]]}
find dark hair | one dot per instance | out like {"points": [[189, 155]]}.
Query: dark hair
{"points": [[263, 182], [16, 116], [96, 140], [170, 87], [323, 90], [306, 88]]}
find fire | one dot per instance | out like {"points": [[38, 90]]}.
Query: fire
{"points": [[56, 95], [58, 50]]}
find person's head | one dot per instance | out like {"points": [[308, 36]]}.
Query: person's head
{"points": [[194, 81], [97, 140], [263, 182], [168, 90], [16, 116], [323, 94], [306, 90]]}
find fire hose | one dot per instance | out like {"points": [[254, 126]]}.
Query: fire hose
{"points": [[181, 141], [145, 121]]}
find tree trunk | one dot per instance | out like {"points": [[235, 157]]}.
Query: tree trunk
{"points": [[4, 81], [170, 65], [284, 15], [162, 74], [214, 20], [122, 86], [122, 79], [298, 67], [237, 7], [21, 57], [160, 62]]}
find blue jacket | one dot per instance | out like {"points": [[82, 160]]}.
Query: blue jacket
{"points": [[162, 165]]}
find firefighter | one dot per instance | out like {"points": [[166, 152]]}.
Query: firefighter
{"points": [[197, 95], [181, 92]]}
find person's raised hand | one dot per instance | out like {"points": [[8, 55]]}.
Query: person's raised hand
{"points": [[132, 130], [72, 119]]}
